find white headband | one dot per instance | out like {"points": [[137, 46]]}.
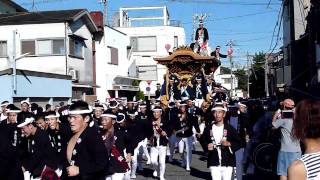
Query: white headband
{"points": [[5, 104], [52, 116], [12, 111], [76, 112], [219, 108], [26, 122], [109, 115]]}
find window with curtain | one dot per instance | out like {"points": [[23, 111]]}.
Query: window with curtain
{"points": [[147, 43], [3, 49], [28, 46]]}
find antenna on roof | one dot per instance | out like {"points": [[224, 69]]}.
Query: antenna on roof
{"points": [[105, 6]]}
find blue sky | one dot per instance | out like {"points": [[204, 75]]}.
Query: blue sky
{"points": [[249, 23]]}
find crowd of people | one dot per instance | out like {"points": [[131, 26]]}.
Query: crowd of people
{"points": [[111, 140]]}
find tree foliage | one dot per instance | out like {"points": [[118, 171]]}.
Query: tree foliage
{"points": [[242, 79], [257, 76]]}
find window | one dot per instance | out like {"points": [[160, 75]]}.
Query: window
{"points": [[3, 48], [146, 43], [28, 47], [175, 42], [76, 47], [43, 47], [114, 55], [58, 46], [227, 80]]}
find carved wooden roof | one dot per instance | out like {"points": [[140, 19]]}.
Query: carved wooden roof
{"points": [[184, 55]]}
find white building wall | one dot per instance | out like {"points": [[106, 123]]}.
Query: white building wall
{"points": [[164, 35], [84, 66], [105, 71], [53, 63], [50, 64]]}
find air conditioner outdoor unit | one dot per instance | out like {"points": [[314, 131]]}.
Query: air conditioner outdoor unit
{"points": [[74, 74]]}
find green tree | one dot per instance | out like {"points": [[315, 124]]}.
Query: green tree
{"points": [[225, 70], [257, 76], [242, 79]]}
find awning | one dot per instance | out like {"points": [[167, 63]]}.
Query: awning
{"points": [[79, 85], [125, 83]]}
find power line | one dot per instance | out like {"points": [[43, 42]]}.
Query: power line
{"points": [[234, 17], [223, 2]]}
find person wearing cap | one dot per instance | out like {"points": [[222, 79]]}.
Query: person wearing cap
{"points": [[59, 134], [222, 141], [3, 114], [158, 142], [184, 131], [199, 90], [240, 122], [186, 90], [290, 149], [85, 155], [40, 152]]}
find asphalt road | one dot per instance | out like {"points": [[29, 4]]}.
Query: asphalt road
{"points": [[174, 171]]}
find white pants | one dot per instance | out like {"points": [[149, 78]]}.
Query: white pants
{"points": [[159, 166], [186, 156], [138, 151], [116, 176], [221, 172], [198, 102], [172, 144]]}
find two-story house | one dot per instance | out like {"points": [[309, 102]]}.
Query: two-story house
{"points": [[58, 43], [112, 63]]}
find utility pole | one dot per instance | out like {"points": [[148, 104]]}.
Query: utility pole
{"points": [[230, 51], [248, 76], [105, 15], [266, 69]]}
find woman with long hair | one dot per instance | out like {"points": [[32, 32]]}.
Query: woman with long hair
{"points": [[306, 127]]}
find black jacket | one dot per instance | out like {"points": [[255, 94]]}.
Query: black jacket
{"points": [[243, 127], [165, 126], [59, 139], [10, 165], [189, 93], [39, 153], [187, 124], [90, 155], [227, 158], [203, 89], [206, 35]]}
